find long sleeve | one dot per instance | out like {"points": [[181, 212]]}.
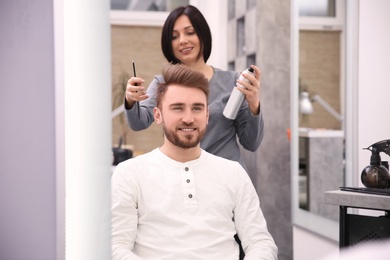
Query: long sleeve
{"points": [[250, 223], [222, 133], [249, 128], [141, 117], [124, 217]]}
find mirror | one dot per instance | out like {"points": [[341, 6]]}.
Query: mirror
{"points": [[129, 22], [318, 122]]}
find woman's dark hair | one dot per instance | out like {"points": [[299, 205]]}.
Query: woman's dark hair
{"points": [[201, 28]]}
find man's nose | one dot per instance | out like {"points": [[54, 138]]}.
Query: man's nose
{"points": [[188, 117]]}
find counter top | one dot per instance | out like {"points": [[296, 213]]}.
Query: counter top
{"points": [[357, 200]]}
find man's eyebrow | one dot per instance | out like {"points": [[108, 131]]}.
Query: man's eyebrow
{"points": [[176, 104], [199, 104], [182, 104]]}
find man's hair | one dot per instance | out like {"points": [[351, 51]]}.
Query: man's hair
{"points": [[201, 28], [181, 75]]}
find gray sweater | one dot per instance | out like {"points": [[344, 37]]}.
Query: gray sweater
{"points": [[221, 133]]}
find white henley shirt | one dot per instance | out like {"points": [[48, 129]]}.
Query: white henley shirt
{"points": [[164, 209]]}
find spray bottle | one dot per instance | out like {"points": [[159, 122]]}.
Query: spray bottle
{"points": [[236, 97], [376, 175]]}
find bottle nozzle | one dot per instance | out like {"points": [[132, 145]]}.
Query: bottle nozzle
{"points": [[375, 159]]}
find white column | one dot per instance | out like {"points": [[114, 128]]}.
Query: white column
{"points": [[83, 84]]}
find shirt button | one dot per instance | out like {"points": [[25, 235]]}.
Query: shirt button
{"points": [[186, 168], [188, 181], [190, 196]]}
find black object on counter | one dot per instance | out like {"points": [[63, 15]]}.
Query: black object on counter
{"points": [[376, 175], [121, 154]]}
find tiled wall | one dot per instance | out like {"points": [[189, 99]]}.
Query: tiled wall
{"points": [[319, 71]]}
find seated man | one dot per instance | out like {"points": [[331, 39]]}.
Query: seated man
{"points": [[179, 201]]}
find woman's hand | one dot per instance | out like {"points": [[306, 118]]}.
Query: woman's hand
{"points": [[134, 91], [252, 90]]}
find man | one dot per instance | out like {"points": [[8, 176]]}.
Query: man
{"points": [[178, 201]]}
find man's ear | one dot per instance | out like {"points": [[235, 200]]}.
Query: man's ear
{"points": [[157, 115]]}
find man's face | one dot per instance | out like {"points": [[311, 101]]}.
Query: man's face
{"points": [[184, 115]]}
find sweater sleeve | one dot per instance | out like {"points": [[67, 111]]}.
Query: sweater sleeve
{"points": [[249, 128], [140, 116]]}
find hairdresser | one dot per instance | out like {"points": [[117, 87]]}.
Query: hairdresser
{"points": [[186, 39]]}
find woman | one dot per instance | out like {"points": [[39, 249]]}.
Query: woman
{"points": [[186, 39]]}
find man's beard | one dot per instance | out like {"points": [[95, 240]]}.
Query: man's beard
{"points": [[190, 142]]}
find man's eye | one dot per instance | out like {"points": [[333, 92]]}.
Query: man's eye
{"points": [[177, 108]]}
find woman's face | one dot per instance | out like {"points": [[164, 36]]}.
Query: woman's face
{"points": [[185, 41]]}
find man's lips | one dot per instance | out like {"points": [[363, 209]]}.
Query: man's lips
{"points": [[187, 129]]}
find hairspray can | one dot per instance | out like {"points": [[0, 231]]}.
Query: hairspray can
{"points": [[236, 97]]}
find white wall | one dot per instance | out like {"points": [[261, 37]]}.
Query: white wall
{"points": [[373, 92], [27, 133], [373, 77]]}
